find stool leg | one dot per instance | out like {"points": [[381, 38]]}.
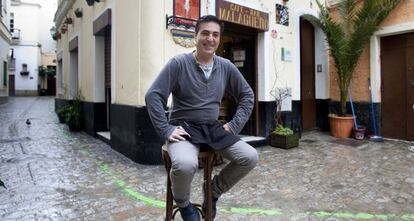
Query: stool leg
{"points": [[208, 169], [169, 206]]}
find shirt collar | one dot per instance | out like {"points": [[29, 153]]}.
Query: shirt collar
{"points": [[195, 63]]}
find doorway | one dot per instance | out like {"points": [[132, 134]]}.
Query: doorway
{"points": [[307, 74], [74, 74], [108, 44], [51, 85], [239, 45], [397, 86], [11, 85]]}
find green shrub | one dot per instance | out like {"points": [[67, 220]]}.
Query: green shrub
{"points": [[281, 130], [61, 113], [72, 116]]}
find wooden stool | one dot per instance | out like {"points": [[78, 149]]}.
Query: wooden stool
{"points": [[205, 156]]}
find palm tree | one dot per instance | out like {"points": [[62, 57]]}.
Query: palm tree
{"points": [[348, 35]]}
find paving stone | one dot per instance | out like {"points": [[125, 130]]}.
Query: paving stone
{"points": [[53, 174]]}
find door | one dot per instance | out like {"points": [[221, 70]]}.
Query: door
{"points": [[238, 44], [51, 85], [307, 74], [11, 85], [397, 83], [108, 77], [242, 55], [410, 87]]}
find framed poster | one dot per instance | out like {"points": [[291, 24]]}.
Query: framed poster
{"points": [[282, 15], [189, 9], [239, 55]]}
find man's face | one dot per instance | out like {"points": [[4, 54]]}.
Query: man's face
{"points": [[208, 38]]}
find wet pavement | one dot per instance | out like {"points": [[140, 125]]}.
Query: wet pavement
{"points": [[53, 174]]}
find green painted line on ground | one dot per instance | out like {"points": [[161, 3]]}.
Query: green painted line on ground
{"points": [[246, 211], [252, 211], [407, 217], [348, 215], [130, 192]]}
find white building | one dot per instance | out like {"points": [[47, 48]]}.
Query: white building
{"points": [[30, 22], [5, 40], [111, 51]]}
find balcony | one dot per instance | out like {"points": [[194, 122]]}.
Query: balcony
{"points": [[15, 33], [12, 64]]}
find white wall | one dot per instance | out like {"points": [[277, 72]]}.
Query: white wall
{"points": [[274, 73], [5, 38], [321, 58], [26, 18], [73, 74], [142, 52], [6, 11], [321, 78], [46, 16], [34, 18], [4, 50], [31, 57]]}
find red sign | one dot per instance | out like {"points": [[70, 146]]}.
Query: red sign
{"points": [[187, 9]]}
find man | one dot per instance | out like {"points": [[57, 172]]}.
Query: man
{"points": [[198, 81]]}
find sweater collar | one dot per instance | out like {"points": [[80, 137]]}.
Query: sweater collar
{"points": [[196, 64]]}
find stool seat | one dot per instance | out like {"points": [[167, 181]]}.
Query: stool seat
{"points": [[207, 157]]}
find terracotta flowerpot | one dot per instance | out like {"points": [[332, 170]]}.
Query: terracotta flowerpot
{"points": [[341, 126]]}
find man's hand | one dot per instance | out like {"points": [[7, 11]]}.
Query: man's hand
{"points": [[178, 135], [227, 128]]}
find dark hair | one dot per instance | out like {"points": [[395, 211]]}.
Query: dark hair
{"points": [[205, 19]]}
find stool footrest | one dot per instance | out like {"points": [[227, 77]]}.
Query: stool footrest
{"points": [[208, 158]]}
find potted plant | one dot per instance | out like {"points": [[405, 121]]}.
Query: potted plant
{"points": [[68, 20], [42, 71], [78, 12], [90, 2], [56, 36], [61, 113], [73, 114], [348, 30], [64, 28], [72, 117], [282, 136]]}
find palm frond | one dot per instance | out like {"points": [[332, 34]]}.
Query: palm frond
{"points": [[348, 36], [347, 10]]}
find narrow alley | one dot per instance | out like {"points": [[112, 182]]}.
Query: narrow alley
{"points": [[53, 174]]}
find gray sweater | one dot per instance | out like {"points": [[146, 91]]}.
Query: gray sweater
{"points": [[196, 98]]}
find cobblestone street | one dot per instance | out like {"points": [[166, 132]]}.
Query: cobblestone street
{"points": [[53, 174]]}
